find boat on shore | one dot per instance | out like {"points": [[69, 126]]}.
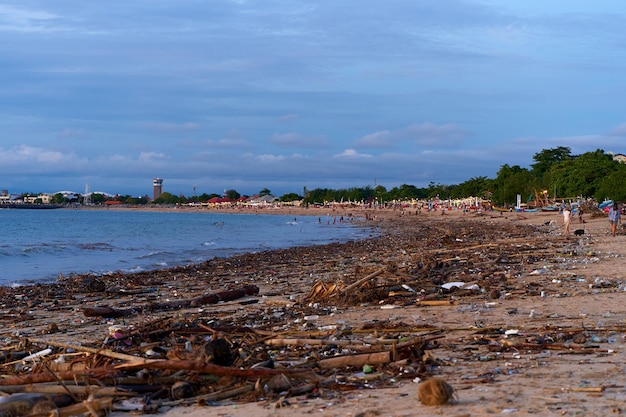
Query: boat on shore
{"points": [[526, 210]]}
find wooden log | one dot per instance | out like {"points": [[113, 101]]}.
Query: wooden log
{"points": [[34, 378], [229, 295], [279, 341], [88, 406], [107, 312], [377, 358], [84, 390], [209, 368]]}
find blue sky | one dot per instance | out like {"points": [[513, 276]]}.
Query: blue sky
{"points": [[283, 94]]}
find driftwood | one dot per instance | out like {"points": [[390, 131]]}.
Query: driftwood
{"points": [[85, 390], [279, 341], [88, 406], [103, 352], [34, 378], [214, 396], [230, 295], [377, 358], [209, 368], [433, 303], [359, 282]]}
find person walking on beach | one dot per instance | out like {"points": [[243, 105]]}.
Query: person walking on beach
{"points": [[580, 215], [567, 216], [614, 217]]}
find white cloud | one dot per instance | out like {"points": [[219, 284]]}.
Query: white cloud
{"points": [[226, 143], [298, 140], [34, 155], [69, 133], [19, 19], [352, 154], [382, 139], [424, 134], [288, 117], [152, 156]]}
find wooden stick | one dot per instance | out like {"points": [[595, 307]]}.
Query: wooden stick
{"points": [[377, 358], [587, 389], [223, 395], [435, 302], [94, 373], [84, 390], [214, 396], [279, 341], [91, 406], [103, 352], [359, 282]]}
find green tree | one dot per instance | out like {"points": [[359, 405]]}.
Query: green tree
{"points": [[545, 159], [442, 191], [168, 198], [137, 201], [474, 187], [613, 187], [290, 197], [57, 199], [98, 198], [232, 195], [511, 181], [581, 175], [264, 192], [406, 192]]}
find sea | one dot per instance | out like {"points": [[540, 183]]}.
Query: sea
{"points": [[38, 245]]}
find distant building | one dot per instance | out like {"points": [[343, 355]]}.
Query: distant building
{"points": [[158, 187], [619, 157], [34, 199], [5, 197]]}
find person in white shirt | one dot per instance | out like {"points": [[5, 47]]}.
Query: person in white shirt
{"points": [[567, 216]]}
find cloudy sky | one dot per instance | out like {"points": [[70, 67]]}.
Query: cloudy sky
{"points": [[286, 94]]}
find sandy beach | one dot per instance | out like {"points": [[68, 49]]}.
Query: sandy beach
{"points": [[533, 323]]}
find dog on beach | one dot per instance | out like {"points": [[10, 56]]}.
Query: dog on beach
{"points": [[579, 232]]}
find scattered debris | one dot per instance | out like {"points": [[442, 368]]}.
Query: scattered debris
{"points": [[268, 326]]}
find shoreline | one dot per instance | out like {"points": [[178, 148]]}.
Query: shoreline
{"points": [[533, 281]]}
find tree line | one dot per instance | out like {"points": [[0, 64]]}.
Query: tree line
{"points": [[555, 172]]}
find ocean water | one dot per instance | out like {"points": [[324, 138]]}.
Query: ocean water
{"points": [[37, 245]]}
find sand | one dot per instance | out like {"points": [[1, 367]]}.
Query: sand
{"points": [[508, 349]]}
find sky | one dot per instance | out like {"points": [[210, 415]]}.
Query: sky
{"points": [[245, 95]]}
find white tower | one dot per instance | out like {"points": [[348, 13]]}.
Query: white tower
{"points": [[87, 196]]}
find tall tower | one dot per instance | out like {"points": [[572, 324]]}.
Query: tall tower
{"points": [[87, 196], [158, 187]]}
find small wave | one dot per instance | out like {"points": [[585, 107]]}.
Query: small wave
{"points": [[95, 246], [208, 243], [161, 264], [43, 248], [152, 254]]}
